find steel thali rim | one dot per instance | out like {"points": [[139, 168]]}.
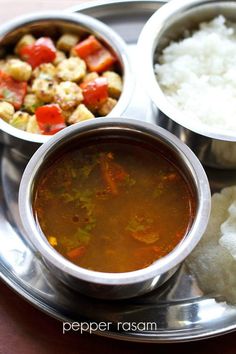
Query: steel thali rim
{"points": [[161, 336]]}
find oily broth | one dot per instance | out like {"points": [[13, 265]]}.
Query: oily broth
{"points": [[113, 206]]}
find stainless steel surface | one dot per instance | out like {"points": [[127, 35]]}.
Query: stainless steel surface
{"points": [[120, 285], [214, 147], [52, 24], [179, 309]]}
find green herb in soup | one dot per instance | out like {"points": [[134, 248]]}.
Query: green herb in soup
{"points": [[113, 206]]}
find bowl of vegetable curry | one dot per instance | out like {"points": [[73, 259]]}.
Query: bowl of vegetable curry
{"points": [[58, 69]]}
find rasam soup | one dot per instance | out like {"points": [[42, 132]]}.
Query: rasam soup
{"points": [[113, 206]]}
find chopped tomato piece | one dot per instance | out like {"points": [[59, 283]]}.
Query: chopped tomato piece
{"points": [[112, 173], [107, 175], [95, 92], [11, 90], [87, 47], [100, 61], [76, 252], [146, 236], [118, 172], [42, 51], [50, 119], [97, 57]]}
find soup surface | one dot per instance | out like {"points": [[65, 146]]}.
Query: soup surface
{"points": [[113, 206]]}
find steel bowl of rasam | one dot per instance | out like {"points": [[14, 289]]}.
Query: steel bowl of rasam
{"points": [[113, 206]]}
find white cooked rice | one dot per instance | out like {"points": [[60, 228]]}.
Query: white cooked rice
{"points": [[213, 260], [198, 74]]}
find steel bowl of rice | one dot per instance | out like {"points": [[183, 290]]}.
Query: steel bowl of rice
{"points": [[188, 50]]}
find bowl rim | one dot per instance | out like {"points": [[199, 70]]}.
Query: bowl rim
{"points": [[147, 44], [91, 24], [157, 268]]}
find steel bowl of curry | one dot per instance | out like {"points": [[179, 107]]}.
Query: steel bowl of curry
{"points": [[114, 206]]}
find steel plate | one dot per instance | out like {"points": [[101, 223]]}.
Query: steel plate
{"points": [[179, 310]]}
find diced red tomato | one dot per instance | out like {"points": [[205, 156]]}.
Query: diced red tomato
{"points": [[95, 92], [42, 51], [76, 252], [112, 173], [107, 175], [87, 47], [100, 61], [97, 57], [11, 90], [119, 173], [50, 119]]}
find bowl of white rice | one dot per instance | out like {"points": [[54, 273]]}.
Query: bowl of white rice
{"points": [[187, 52]]}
